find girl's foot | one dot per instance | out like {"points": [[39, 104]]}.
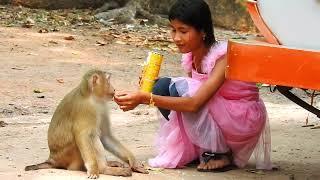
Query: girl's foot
{"points": [[216, 162]]}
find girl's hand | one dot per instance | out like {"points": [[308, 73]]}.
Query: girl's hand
{"points": [[128, 100]]}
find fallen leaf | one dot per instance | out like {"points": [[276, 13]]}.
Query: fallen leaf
{"points": [[43, 31], [308, 125], [143, 146], [15, 68], [37, 91], [28, 23], [33, 54], [60, 80], [316, 127], [69, 38], [143, 22], [53, 42], [55, 30], [155, 169], [116, 35], [121, 42], [100, 43], [3, 124], [256, 171]]}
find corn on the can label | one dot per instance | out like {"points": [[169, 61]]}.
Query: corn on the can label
{"points": [[150, 72]]}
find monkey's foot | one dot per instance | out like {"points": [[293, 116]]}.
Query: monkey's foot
{"points": [[93, 174], [117, 171], [115, 164], [139, 168]]}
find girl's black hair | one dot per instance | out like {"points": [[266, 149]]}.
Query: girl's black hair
{"points": [[195, 13]]}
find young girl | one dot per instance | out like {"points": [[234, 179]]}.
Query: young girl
{"points": [[204, 116]]}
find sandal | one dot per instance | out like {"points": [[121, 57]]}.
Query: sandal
{"points": [[207, 156]]}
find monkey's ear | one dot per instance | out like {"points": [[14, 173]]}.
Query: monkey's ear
{"points": [[95, 79]]}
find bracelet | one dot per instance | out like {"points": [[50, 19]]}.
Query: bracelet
{"points": [[151, 102]]}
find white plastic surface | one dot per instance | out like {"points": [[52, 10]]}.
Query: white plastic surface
{"points": [[295, 23]]}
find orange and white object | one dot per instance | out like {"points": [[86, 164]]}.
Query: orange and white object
{"points": [[289, 54]]}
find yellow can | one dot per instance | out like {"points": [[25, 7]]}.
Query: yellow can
{"points": [[150, 72]]}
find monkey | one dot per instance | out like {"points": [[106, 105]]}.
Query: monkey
{"points": [[79, 132]]}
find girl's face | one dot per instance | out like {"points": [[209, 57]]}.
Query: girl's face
{"points": [[186, 37]]}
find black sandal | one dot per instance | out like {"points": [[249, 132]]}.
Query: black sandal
{"points": [[207, 156]]}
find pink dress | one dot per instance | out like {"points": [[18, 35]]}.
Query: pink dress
{"points": [[233, 119]]}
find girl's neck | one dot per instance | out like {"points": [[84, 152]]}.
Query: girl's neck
{"points": [[198, 55]]}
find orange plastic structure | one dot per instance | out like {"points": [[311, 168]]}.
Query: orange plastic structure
{"points": [[257, 61], [265, 61]]}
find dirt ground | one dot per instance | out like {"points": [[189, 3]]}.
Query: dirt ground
{"points": [[47, 63]]}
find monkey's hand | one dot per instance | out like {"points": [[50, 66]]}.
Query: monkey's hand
{"points": [[139, 168], [93, 174]]}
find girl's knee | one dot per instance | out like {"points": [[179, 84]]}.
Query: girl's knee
{"points": [[161, 87]]}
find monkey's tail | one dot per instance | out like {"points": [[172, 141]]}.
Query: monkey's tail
{"points": [[44, 165]]}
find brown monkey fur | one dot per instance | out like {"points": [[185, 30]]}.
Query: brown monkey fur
{"points": [[79, 131]]}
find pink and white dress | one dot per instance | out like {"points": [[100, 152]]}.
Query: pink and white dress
{"points": [[233, 119]]}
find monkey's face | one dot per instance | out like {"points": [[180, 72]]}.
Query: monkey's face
{"points": [[102, 87], [109, 90]]}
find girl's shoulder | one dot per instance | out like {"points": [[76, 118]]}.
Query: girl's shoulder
{"points": [[218, 50]]}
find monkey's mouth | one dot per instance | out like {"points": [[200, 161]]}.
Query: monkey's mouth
{"points": [[110, 96]]}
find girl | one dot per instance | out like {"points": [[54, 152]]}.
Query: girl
{"points": [[204, 116]]}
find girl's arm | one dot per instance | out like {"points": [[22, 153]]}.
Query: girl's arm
{"points": [[189, 104]]}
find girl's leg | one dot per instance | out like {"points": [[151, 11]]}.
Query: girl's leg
{"points": [[162, 88]]}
